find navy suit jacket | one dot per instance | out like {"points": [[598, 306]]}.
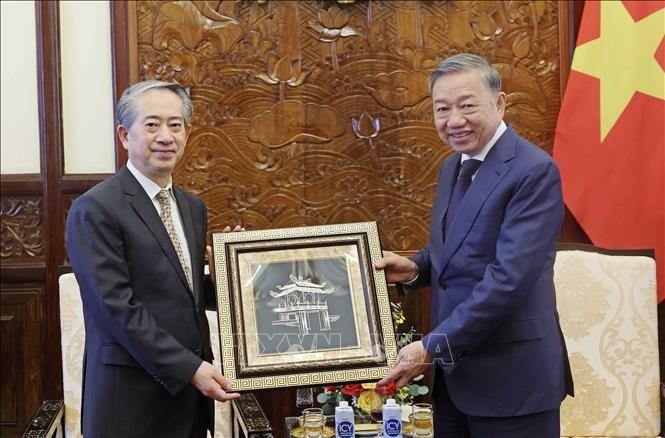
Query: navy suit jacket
{"points": [[495, 329], [146, 330]]}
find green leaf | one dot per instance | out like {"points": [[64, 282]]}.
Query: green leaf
{"points": [[323, 397], [422, 390], [413, 390], [401, 342], [328, 409]]}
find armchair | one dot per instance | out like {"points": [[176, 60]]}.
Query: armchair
{"points": [[241, 418], [607, 306]]}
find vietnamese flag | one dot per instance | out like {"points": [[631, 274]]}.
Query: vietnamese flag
{"points": [[610, 136]]}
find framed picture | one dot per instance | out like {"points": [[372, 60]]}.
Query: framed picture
{"points": [[302, 306]]}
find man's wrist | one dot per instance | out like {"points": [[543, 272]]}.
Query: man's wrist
{"points": [[413, 280]]}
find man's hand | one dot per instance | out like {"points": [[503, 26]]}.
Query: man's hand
{"points": [[398, 269], [211, 269], [412, 361], [227, 229], [212, 384]]}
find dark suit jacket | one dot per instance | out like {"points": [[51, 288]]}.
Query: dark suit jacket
{"points": [[495, 330], [146, 331]]}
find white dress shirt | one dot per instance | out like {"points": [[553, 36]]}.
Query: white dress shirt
{"points": [[480, 156]]}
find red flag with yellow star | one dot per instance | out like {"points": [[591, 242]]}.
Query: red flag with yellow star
{"points": [[610, 136]]}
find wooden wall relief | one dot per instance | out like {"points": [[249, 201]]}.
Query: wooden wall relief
{"points": [[316, 112], [21, 237], [21, 374]]}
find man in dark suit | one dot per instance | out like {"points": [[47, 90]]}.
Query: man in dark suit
{"points": [[137, 246], [501, 368]]}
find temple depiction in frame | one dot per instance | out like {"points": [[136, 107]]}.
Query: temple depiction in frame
{"points": [[299, 298]]}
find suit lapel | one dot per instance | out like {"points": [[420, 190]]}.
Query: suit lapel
{"points": [[145, 209], [188, 227], [442, 198], [490, 173]]}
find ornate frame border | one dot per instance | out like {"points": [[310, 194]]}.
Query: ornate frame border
{"points": [[302, 369]]}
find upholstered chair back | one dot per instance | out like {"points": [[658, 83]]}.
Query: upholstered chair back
{"points": [[73, 340], [607, 307]]}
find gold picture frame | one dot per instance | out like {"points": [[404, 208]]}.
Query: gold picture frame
{"points": [[302, 306]]}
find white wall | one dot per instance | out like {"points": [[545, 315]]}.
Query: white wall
{"points": [[87, 88], [19, 121]]}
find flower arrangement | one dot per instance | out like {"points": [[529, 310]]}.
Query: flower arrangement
{"points": [[368, 397]]}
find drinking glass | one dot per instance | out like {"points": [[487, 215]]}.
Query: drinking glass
{"points": [[376, 414], [312, 411], [422, 420], [304, 398], [313, 422]]}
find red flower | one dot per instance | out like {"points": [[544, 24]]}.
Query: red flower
{"points": [[353, 390], [330, 388], [387, 389]]}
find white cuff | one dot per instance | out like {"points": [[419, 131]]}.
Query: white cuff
{"points": [[413, 280]]}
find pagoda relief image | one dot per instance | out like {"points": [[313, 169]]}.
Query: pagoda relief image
{"points": [[298, 299]]}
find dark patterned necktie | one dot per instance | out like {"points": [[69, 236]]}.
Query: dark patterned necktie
{"points": [[165, 203], [467, 170]]}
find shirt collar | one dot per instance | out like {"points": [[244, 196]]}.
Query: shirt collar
{"points": [[149, 186], [480, 156]]}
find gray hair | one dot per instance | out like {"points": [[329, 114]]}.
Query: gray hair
{"points": [[467, 62], [125, 112]]}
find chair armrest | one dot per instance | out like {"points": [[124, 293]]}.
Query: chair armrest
{"points": [[47, 420], [249, 420]]}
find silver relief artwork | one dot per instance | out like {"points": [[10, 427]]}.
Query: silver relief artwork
{"points": [[298, 299]]}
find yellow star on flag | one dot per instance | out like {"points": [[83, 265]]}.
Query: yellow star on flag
{"points": [[623, 58]]}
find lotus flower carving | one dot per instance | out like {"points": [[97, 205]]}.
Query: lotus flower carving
{"points": [[331, 26]]}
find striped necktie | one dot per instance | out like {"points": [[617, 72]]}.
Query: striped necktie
{"points": [[165, 203]]}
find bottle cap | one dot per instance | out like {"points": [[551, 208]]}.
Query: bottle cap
{"points": [[390, 401], [343, 404]]}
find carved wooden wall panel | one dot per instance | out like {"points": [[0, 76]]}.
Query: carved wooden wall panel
{"points": [[21, 237], [20, 377], [23, 258], [316, 112]]}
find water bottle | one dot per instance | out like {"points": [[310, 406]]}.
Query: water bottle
{"points": [[392, 419], [344, 427]]}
